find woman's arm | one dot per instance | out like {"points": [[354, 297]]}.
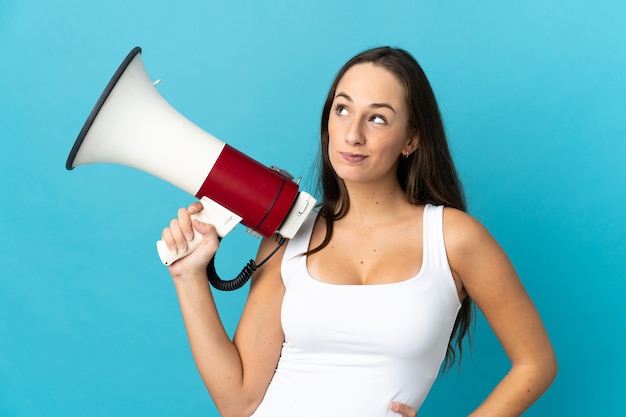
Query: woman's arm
{"points": [[489, 278], [236, 373]]}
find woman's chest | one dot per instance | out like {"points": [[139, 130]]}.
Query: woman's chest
{"points": [[368, 257], [404, 319]]}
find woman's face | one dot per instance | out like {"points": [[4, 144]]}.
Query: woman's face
{"points": [[368, 125]]}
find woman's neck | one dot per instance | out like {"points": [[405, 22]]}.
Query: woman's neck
{"points": [[375, 204]]}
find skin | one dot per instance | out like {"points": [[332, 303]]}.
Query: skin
{"points": [[368, 134]]}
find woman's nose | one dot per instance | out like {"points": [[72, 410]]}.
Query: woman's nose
{"points": [[354, 132]]}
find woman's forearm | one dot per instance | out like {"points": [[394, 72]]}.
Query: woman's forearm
{"points": [[516, 392], [215, 355]]}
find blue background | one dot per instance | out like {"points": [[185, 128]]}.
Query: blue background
{"points": [[534, 99]]}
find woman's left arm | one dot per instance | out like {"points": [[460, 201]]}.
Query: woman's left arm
{"points": [[488, 277]]}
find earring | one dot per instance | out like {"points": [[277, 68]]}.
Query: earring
{"points": [[405, 155]]}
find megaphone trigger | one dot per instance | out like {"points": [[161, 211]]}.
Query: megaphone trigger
{"points": [[220, 217]]}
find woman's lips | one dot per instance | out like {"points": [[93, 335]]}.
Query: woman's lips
{"points": [[352, 157]]}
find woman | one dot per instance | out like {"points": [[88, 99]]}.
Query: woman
{"points": [[356, 314]]}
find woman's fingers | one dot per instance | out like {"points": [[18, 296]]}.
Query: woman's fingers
{"points": [[180, 231], [209, 234], [403, 409], [166, 236], [195, 208], [192, 239], [186, 229]]}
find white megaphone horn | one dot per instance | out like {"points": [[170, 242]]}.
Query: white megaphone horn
{"points": [[132, 125]]}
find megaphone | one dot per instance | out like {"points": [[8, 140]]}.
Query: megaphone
{"points": [[133, 125]]}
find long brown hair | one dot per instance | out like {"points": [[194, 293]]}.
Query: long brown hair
{"points": [[428, 175]]}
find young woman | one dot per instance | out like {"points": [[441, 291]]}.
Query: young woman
{"points": [[357, 313]]}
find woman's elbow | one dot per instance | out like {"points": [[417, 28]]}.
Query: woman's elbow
{"points": [[546, 369], [237, 408], [551, 369]]}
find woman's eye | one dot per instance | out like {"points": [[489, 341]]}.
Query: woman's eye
{"points": [[341, 110], [378, 119]]}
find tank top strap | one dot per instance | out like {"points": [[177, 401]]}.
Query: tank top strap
{"points": [[300, 242], [435, 256], [296, 246]]}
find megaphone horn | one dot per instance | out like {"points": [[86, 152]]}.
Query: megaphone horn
{"points": [[132, 125]]}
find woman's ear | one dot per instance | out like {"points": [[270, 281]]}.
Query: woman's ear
{"points": [[412, 144]]}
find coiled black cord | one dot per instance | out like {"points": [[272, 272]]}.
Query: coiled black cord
{"points": [[243, 277]]}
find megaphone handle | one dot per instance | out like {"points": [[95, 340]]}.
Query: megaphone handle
{"points": [[223, 219]]}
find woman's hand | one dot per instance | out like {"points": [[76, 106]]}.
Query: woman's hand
{"points": [[180, 232], [403, 409]]}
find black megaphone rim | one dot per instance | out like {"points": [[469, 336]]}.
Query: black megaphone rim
{"points": [[69, 165]]}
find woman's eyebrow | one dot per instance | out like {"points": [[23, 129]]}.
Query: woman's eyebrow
{"points": [[385, 105], [344, 95], [374, 105]]}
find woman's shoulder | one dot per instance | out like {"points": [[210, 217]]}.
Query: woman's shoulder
{"points": [[462, 232]]}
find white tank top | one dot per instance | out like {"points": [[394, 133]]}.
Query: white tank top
{"points": [[350, 350]]}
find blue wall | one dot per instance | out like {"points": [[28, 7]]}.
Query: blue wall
{"points": [[534, 98]]}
